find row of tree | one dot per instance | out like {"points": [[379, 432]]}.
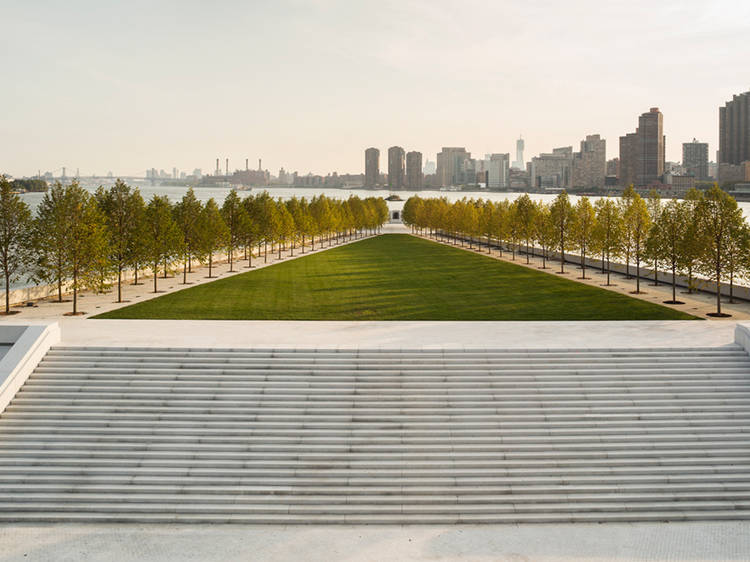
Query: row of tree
{"points": [[703, 235], [83, 240]]}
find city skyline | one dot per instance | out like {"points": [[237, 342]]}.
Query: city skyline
{"points": [[121, 89]]}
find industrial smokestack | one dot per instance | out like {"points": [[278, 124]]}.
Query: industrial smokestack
{"points": [[227, 166], [247, 167], [259, 166], [218, 170]]}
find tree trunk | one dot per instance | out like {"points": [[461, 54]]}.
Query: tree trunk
{"points": [[583, 264], [265, 251], [674, 282], [7, 292], [231, 255], [718, 288], [156, 273], [210, 264], [303, 243], [656, 273], [562, 255], [75, 292], [119, 283], [184, 272], [638, 273]]}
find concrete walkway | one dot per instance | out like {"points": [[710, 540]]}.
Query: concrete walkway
{"points": [[497, 543]]}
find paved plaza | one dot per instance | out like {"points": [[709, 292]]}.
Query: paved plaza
{"points": [[653, 542]]}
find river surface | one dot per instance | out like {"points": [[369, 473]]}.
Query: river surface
{"points": [[219, 193]]}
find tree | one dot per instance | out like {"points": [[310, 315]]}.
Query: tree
{"points": [[719, 218], [122, 208], [561, 213], [626, 202], [582, 229], [737, 253], [654, 210], [50, 238], [187, 215], [87, 243], [212, 233], [15, 236], [637, 223], [162, 236], [237, 222], [524, 216], [666, 238], [286, 225], [608, 231], [693, 242], [545, 231]]}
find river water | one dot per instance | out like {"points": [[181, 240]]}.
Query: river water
{"points": [[219, 193]]}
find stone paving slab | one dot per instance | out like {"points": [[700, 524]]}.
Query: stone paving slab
{"points": [[542, 542]]}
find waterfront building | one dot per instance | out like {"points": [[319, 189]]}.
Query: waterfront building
{"points": [[552, 170], [429, 168], [590, 164], [734, 139], [498, 171], [642, 152], [695, 159], [396, 165], [454, 167], [372, 167], [414, 174]]}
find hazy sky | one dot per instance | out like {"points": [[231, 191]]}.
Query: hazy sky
{"points": [[308, 85]]}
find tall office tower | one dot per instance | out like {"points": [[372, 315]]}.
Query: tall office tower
{"points": [[414, 175], [396, 167], [498, 171], [553, 169], [734, 139], [590, 164], [452, 166], [695, 159], [642, 152], [518, 164], [372, 167]]}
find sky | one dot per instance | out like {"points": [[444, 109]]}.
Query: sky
{"points": [[308, 85]]}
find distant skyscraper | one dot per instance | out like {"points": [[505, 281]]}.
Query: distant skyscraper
{"points": [[452, 166], [552, 170], [414, 170], [429, 167], [372, 167], [734, 139], [590, 164], [518, 164], [642, 152], [396, 167], [498, 171], [695, 159]]}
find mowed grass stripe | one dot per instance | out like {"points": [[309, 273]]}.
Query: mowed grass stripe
{"points": [[396, 277]]}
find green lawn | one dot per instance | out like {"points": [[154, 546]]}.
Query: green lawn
{"points": [[396, 277]]}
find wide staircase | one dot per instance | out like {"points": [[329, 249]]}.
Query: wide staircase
{"points": [[400, 436]]}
